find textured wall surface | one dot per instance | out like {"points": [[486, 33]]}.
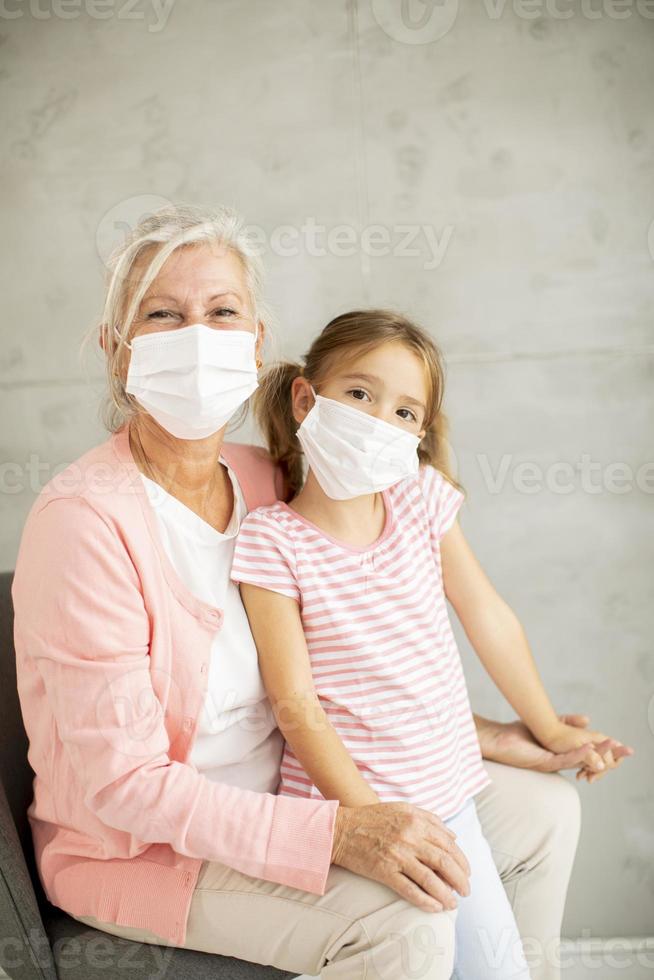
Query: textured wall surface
{"points": [[487, 167]]}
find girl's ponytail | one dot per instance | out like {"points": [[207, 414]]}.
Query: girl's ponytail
{"points": [[434, 448], [273, 411]]}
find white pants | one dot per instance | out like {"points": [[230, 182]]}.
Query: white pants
{"points": [[487, 940]]}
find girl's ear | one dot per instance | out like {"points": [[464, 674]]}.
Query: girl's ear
{"points": [[301, 398]]}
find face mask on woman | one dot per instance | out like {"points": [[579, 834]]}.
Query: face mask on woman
{"points": [[352, 453], [192, 379]]}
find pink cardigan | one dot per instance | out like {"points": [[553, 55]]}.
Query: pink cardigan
{"points": [[112, 657]]}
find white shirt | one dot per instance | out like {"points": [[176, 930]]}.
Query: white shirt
{"points": [[238, 741]]}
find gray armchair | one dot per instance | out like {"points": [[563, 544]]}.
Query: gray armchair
{"points": [[39, 941]]}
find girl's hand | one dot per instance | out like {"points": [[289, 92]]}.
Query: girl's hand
{"points": [[612, 751], [602, 752], [512, 744]]}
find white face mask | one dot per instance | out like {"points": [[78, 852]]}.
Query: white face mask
{"points": [[352, 453], [192, 379]]}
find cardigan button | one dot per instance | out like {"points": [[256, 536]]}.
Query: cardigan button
{"points": [[188, 724]]}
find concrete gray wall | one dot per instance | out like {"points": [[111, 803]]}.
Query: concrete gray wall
{"points": [[491, 172]]}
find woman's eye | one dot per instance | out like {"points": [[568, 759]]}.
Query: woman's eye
{"points": [[353, 392], [159, 314], [412, 417], [225, 312]]}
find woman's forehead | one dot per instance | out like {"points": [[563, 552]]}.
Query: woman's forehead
{"points": [[198, 270]]}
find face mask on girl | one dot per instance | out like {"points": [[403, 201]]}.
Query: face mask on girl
{"points": [[352, 453], [192, 379]]}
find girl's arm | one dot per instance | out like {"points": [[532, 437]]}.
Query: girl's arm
{"points": [[500, 642], [286, 671]]}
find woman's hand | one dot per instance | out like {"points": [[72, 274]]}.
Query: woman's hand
{"points": [[405, 847], [513, 744]]}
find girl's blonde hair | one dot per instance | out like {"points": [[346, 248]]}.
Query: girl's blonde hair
{"points": [[135, 263], [350, 334]]}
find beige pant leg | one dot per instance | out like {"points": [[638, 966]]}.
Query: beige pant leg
{"points": [[358, 930], [361, 930], [532, 821]]}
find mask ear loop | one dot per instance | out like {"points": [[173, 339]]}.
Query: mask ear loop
{"points": [[127, 343], [315, 396], [258, 360]]}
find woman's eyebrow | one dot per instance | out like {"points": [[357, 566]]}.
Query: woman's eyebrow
{"points": [[175, 300], [227, 292], [159, 299], [373, 377]]}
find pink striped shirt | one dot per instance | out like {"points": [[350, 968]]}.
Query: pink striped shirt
{"points": [[385, 663]]}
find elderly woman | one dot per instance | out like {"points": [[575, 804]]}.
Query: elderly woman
{"points": [[155, 813]]}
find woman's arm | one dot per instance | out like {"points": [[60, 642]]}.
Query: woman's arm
{"points": [[500, 642], [286, 671], [82, 624]]}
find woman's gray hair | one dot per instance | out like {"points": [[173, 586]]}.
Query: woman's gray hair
{"points": [[127, 282]]}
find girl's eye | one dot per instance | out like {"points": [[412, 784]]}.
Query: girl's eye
{"points": [[412, 418], [353, 391]]}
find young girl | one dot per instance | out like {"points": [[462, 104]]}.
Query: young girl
{"points": [[345, 587]]}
